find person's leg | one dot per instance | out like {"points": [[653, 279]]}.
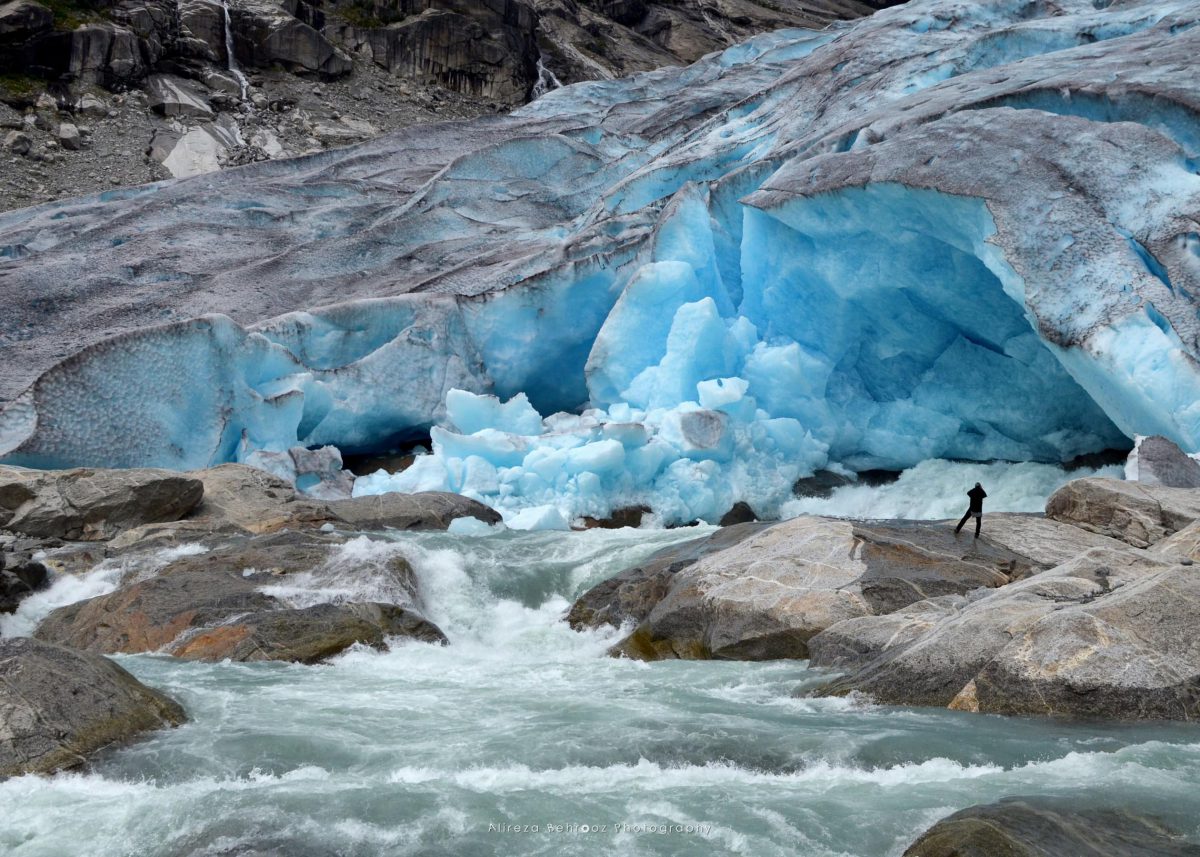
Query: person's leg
{"points": [[963, 521], [978, 524]]}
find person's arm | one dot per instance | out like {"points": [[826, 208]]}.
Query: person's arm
{"points": [[982, 493]]}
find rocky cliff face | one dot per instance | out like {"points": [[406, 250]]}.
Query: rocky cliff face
{"points": [[97, 93]]}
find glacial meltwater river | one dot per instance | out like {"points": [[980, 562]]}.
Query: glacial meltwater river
{"points": [[486, 746]]}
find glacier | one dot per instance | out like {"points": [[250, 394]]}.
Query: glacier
{"points": [[950, 231]]}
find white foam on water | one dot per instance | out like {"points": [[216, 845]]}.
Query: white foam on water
{"points": [[106, 576], [936, 489]]}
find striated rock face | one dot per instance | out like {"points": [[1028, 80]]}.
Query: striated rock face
{"points": [[211, 606], [1048, 827], [770, 592], [57, 706], [92, 504], [1133, 512], [1105, 634], [484, 48], [266, 33]]}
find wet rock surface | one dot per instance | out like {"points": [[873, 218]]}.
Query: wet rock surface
{"points": [[1048, 827], [764, 594], [57, 706], [216, 604]]}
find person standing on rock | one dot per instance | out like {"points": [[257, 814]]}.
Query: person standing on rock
{"points": [[976, 496]]}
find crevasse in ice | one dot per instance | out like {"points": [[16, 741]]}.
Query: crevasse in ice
{"points": [[952, 230]]}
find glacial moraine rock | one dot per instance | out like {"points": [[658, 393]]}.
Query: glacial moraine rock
{"points": [[1105, 634], [767, 595], [1134, 512], [1156, 460], [428, 510], [1049, 827], [57, 706], [212, 606], [84, 504]]}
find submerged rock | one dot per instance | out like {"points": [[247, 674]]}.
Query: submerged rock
{"points": [[1049, 827], [769, 592], [1133, 512], [88, 504], [57, 706]]}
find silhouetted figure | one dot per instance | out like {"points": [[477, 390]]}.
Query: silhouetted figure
{"points": [[976, 496]]}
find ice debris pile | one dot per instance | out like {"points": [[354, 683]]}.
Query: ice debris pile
{"points": [[953, 230]]}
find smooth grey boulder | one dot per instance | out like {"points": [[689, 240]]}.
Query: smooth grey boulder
{"points": [[767, 595], [1156, 460], [57, 706], [427, 510], [173, 96], [1109, 634], [1043, 540], [1049, 827], [1133, 512], [254, 500], [85, 504]]}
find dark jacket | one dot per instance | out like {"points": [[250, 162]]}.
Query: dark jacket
{"points": [[976, 494]]}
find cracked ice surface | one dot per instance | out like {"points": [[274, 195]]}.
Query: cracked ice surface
{"points": [[952, 230]]}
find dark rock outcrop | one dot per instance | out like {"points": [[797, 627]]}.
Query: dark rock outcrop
{"points": [[484, 48], [1049, 827], [57, 706], [86, 504], [19, 576]]}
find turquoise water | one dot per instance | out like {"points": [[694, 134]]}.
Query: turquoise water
{"points": [[486, 746]]}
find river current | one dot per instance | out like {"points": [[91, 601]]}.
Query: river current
{"points": [[523, 738]]}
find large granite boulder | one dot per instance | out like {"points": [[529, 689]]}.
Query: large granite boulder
{"points": [[1134, 512], [767, 595], [1107, 634], [213, 605], [89, 504], [1049, 827], [1156, 460], [57, 706]]}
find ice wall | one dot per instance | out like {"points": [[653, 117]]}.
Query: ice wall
{"points": [[953, 230]]}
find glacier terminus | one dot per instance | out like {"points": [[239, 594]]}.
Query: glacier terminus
{"points": [[952, 230]]}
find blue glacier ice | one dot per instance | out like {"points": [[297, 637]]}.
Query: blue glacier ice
{"points": [[953, 230]]}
